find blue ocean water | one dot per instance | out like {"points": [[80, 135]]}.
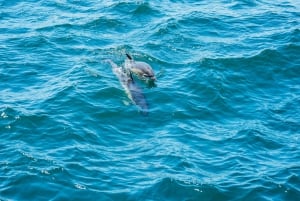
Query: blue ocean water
{"points": [[223, 120]]}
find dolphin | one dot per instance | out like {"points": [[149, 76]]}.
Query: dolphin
{"points": [[133, 91], [142, 69]]}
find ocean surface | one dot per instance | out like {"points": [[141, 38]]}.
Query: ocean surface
{"points": [[223, 119]]}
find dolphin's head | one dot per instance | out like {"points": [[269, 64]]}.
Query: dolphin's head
{"points": [[143, 70]]}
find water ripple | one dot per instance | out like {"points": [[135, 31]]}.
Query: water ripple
{"points": [[223, 119]]}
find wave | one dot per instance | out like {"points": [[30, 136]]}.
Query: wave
{"points": [[135, 8], [173, 189], [282, 59]]}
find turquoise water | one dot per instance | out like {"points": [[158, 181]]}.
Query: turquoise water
{"points": [[223, 120]]}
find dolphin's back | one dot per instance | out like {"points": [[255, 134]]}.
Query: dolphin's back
{"points": [[133, 91], [138, 97]]}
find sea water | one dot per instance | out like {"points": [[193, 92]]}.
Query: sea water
{"points": [[223, 117]]}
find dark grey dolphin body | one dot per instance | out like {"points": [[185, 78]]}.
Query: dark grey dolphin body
{"points": [[132, 90], [142, 69], [137, 96]]}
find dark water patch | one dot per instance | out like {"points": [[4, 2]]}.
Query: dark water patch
{"points": [[8, 3], [284, 116], [92, 27], [27, 128], [177, 55], [295, 37], [167, 29], [105, 24], [254, 139], [66, 6], [30, 168], [26, 41], [17, 94], [77, 3], [292, 187], [245, 4], [263, 187], [259, 72], [215, 90], [171, 189], [289, 52], [135, 8], [14, 33], [58, 28], [209, 25], [124, 8], [16, 182], [33, 43], [147, 10]]}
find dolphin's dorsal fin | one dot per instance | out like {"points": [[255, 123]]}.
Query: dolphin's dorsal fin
{"points": [[128, 56], [131, 77]]}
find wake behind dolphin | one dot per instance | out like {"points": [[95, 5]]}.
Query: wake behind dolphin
{"points": [[132, 90]]}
